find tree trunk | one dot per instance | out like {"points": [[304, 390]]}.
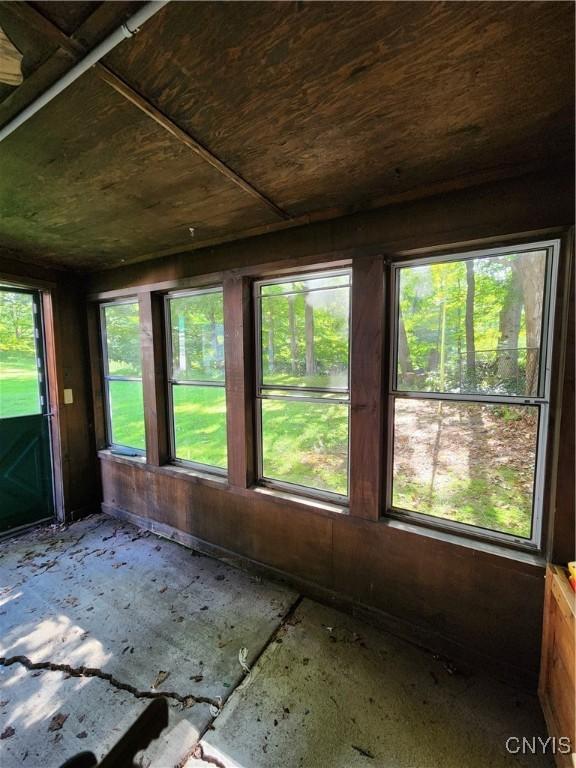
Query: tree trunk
{"points": [[442, 368], [510, 316], [309, 333], [292, 326], [404, 360], [471, 378], [532, 279], [271, 361]]}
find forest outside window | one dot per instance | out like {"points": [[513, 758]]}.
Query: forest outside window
{"points": [[123, 375], [470, 389], [303, 346], [197, 393]]}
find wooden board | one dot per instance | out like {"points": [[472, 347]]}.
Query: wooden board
{"points": [[323, 104], [110, 181], [557, 686], [323, 108]]}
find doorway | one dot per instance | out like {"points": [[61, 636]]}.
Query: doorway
{"points": [[26, 478]]}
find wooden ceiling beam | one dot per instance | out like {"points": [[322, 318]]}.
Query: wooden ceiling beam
{"points": [[73, 47]]}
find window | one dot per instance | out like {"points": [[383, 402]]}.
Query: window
{"points": [[21, 353], [470, 389], [123, 374], [303, 350], [197, 390]]}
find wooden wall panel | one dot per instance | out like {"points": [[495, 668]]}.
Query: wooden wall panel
{"points": [[451, 594], [366, 392], [153, 342], [238, 343]]}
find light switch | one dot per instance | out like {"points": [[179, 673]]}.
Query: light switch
{"points": [[68, 397]]}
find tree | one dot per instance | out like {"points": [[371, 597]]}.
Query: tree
{"points": [[404, 359], [510, 317], [532, 280], [309, 336], [471, 379], [271, 361], [293, 343]]}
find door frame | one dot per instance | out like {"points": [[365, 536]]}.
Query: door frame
{"points": [[53, 373]]}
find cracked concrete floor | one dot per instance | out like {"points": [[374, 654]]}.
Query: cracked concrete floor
{"points": [[136, 608], [100, 613]]}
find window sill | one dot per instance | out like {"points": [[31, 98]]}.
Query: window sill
{"points": [[106, 453], [173, 470], [305, 502], [492, 549], [315, 506]]}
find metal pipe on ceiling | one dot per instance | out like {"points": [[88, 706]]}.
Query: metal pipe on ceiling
{"points": [[123, 32]]}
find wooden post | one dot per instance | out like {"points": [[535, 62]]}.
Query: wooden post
{"points": [[238, 348], [366, 395], [96, 375], [153, 377]]}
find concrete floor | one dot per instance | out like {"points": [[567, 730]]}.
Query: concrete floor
{"points": [[100, 616]]}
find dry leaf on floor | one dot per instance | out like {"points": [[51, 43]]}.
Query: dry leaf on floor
{"points": [[242, 656], [57, 722], [160, 678]]}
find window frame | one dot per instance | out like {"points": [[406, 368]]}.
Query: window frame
{"points": [[171, 382], [541, 401], [107, 376], [259, 386]]}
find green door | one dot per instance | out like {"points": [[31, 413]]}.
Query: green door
{"points": [[26, 491]]}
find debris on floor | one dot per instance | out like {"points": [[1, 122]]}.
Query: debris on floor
{"points": [[255, 677]]}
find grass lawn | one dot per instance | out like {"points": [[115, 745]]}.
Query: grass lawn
{"points": [[461, 465], [19, 394]]}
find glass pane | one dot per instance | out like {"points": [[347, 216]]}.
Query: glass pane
{"points": [[471, 463], [127, 414], [305, 339], [472, 325], [305, 284], [306, 444], [19, 390], [197, 328], [123, 339], [200, 424]]}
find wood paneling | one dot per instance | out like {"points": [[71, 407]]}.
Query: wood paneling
{"points": [[153, 345], [111, 181], [366, 392], [558, 669], [398, 99], [324, 104], [96, 376], [238, 346], [563, 513]]}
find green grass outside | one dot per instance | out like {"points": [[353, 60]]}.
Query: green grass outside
{"points": [[19, 393], [498, 503], [303, 443]]}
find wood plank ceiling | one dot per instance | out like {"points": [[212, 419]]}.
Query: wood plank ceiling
{"points": [[240, 117]]}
